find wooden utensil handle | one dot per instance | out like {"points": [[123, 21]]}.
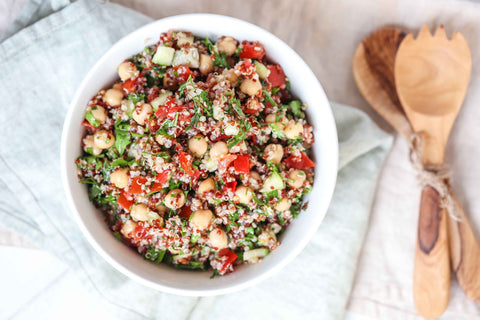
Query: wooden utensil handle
{"points": [[464, 253], [431, 279]]}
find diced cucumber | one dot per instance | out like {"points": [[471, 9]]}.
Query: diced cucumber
{"points": [[160, 100], [130, 108], [186, 57], [273, 182], [183, 39], [218, 113], [262, 71], [152, 215], [180, 256], [254, 255], [163, 56]]}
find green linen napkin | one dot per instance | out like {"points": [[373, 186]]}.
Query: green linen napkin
{"points": [[40, 69]]}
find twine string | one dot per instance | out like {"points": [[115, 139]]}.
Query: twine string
{"points": [[435, 176]]}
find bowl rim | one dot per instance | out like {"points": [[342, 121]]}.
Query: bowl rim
{"points": [[331, 176]]}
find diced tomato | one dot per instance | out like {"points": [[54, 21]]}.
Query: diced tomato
{"points": [[242, 164], [252, 51], [276, 76], [229, 260], [196, 175], [232, 186], [302, 162], [183, 73], [161, 178], [129, 85], [186, 162], [222, 136], [88, 125], [136, 185], [185, 212], [225, 162], [123, 201], [140, 233]]}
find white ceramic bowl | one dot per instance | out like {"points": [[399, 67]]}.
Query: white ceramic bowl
{"points": [[304, 85]]}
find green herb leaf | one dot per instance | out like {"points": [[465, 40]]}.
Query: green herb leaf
{"points": [[155, 255], [296, 108], [91, 119], [136, 97], [268, 97]]}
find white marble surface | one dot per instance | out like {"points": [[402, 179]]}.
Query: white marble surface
{"points": [[36, 285]]}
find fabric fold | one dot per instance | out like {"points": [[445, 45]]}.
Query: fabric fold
{"points": [[41, 67]]}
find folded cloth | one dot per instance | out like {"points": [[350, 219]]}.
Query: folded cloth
{"points": [[40, 68]]}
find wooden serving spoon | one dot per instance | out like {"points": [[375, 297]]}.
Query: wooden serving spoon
{"points": [[431, 77], [373, 70]]}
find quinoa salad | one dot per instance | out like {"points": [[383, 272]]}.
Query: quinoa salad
{"points": [[198, 155]]}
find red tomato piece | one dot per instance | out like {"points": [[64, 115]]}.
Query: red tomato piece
{"points": [[185, 212], [161, 178], [140, 233], [129, 85], [276, 76], [88, 125], [232, 185], [299, 163], [225, 162], [252, 51], [183, 73], [123, 201], [186, 162], [229, 260], [242, 164], [136, 185]]}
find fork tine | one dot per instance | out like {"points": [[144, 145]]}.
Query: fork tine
{"points": [[424, 33], [440, 33]]}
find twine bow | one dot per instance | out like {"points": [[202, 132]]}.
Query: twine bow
{"points": [[435, 176]]}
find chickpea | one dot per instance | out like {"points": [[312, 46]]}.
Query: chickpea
{"points": [[293, 129], [117, 86], [243, 195], [206, 186], [175, 199], [201, 219], [119, 178], [232, 77], [128, 227], [227, 45], [198, 145], [296, 178], [162, 209], [139, 212], [206, 64], [113, 97], [142, 113], [283, 205], [250, 87], [267, 238], [218, 239], [99, 113], [127, 70], [272, 118], [218, 150], [254, 180], [274, 153], [88, 143], [103, 139]]}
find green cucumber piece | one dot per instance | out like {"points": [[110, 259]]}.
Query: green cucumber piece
{"points": [[160, 100], [163, 56], [262, 71], [252, 256], [273, 182]]}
